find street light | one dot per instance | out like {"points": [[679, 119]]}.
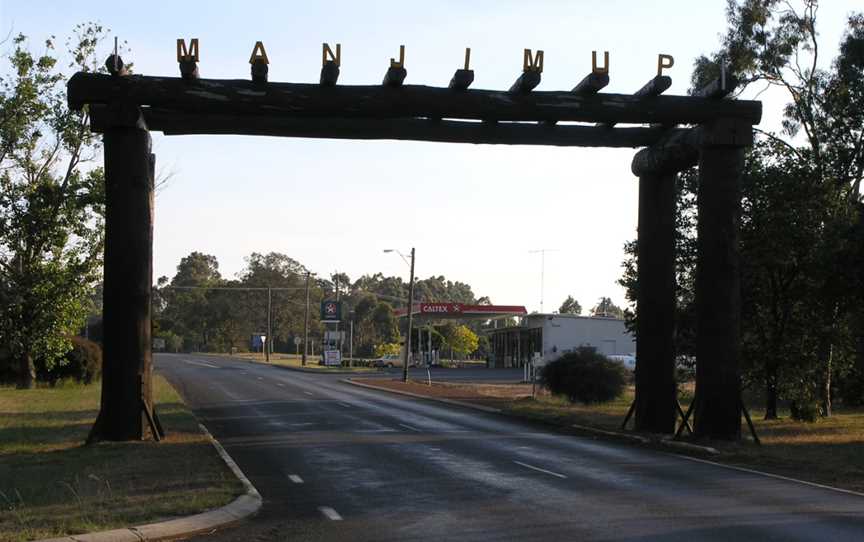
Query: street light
{"points": [[410, 310]]}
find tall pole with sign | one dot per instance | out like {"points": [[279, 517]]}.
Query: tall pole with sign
{"points": [[267, 341], [410, 310], [306, 323]]}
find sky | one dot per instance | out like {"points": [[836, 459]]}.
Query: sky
{"points": [[474, 213]]}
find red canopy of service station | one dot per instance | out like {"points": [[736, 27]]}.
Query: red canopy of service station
{"points": [[453, 311]]}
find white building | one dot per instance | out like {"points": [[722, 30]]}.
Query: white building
{"points": [[545, 337]]}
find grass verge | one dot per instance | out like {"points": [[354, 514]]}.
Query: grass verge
{"points": [[51, 485], [825, 452]]}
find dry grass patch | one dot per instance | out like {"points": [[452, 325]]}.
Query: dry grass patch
{"points": [[51, 485]]}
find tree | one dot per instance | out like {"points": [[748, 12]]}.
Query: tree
{"points": [[462, 340], [187, 310], [51, 206], [605, 307], [771, 43], [570, 306]]}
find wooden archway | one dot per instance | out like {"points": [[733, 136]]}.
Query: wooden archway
{"points": [[124, 108]]}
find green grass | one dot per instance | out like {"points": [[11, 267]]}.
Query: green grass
{"points": [[52, 485]]}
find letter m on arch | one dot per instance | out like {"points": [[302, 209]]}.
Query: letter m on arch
{"points": [[190, 54]]}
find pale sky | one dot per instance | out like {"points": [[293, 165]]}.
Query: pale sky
{"points": [[473, 212]]}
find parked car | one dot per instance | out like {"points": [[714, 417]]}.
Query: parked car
{"points": [[388, 360], [627, 360]]}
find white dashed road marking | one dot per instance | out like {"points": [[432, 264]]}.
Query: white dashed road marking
{"points": [[346, 405], [538, 469], [201, 363], [296, 479], [409, 427], [308, 393], [330, 513]]}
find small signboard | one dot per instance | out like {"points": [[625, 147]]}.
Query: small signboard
{"points": [[297, 341], [331, 311], [258, 340], [332, 358]]}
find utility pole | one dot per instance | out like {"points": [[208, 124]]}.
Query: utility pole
{"points": [[542, 253], [410, 310], [351, 343], [306, 323], [269, 340], [338, 340]]}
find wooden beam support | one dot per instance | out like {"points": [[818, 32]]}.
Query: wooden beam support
{"points": [[676, 151], [462, 79], [718, 283], [449, 131], [311, 100], [188, 69], [128, 280], [656, 393], [395, 76], [590, 84], [719, 88], [329, 73], [654, 87], [526, 82]]}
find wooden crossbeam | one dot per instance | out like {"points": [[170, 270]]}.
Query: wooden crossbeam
{"points": [[590, 84], [313, 100], [447, 131], [654, 87]]}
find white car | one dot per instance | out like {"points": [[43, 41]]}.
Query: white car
{"points": [[627, 360]]}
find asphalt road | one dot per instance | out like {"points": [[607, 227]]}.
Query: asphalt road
{"points": [[338, 462]]}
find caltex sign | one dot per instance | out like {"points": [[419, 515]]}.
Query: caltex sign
{"points": [[440, 308], [331, 311]]}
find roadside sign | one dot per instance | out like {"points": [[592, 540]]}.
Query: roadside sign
{"points": [[332, 357], [258, 340], [331, 311], [297, 341]]}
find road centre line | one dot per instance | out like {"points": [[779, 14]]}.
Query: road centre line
{"points": [[296, 479], [346, 405], [308, 393], [201, 363], [330, 513], [538, 469], [409, 427]]}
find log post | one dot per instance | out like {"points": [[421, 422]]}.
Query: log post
{"points": [[655, 298], [656, 401], [718, 280], [128, 276]]}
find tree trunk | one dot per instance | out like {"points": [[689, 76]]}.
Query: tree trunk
{"points": [[771, 391], [27, 372], [826, 390]]}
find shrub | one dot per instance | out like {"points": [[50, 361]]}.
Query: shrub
{"points": [[584, 376], [82, 363]]}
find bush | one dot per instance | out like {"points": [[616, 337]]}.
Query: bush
{"points": [[83, 363], [584, 376]]}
